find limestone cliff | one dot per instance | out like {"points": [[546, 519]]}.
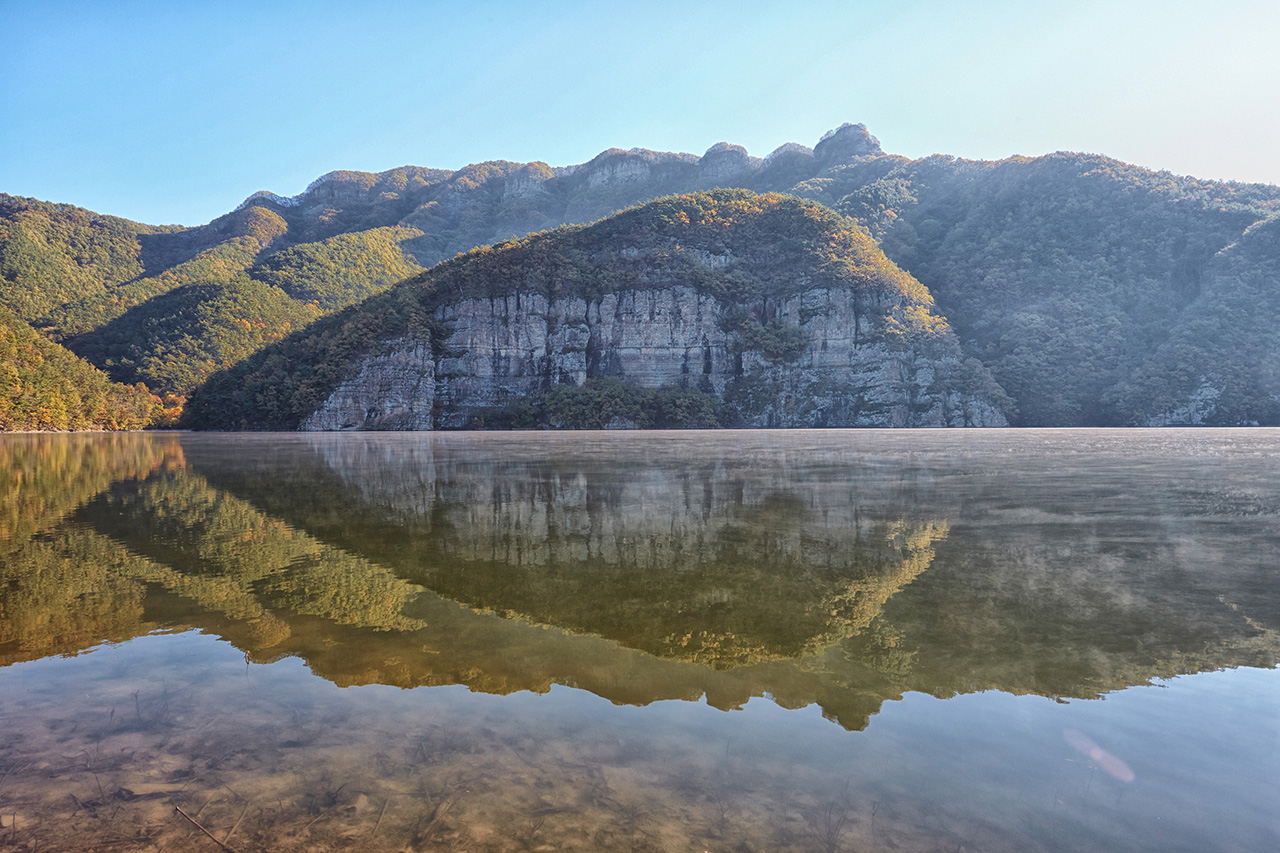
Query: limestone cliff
{"points": [[505, 350], [712, 309]]}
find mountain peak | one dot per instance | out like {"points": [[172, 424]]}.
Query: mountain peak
{"points": [[723, 160], [847, 140]]}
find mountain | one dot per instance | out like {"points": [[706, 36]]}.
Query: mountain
{"points": [[720, 308], [1095, 292], [123, 295]]}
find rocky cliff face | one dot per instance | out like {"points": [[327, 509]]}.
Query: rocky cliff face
{"points": [[508, 349], [723, 308], [394, 390]]}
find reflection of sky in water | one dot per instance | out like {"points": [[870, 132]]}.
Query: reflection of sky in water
{"points": [[887, 612]]}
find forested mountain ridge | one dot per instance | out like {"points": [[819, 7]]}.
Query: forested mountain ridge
{"points": [[169, 306], [1096, 292]]}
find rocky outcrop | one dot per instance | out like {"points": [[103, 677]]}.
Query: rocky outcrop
{"points": [[845, 142], [501, 351], [1196, 410], [394, 390], [723, 160]]}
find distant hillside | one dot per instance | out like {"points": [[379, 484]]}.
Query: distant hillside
{"points": [[1095, 292], [1073, 277], [722, 308]]}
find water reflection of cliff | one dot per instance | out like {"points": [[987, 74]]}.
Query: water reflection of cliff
{"points": [[698, 559], [816, 571]]}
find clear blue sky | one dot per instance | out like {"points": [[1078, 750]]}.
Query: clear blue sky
{"points": [[170, 112]]}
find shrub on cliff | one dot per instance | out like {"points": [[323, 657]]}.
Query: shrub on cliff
{"points": [[604, 401]]}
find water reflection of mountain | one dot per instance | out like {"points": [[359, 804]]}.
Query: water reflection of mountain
{"points": [[44, 477], [1073, 564], [59, 590], [828, 568]]}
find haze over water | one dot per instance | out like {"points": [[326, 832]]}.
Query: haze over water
{"points": [[807, 640]]}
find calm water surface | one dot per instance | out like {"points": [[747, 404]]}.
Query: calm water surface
{"points": [[721, 641]]}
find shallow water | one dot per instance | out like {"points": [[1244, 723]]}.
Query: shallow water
{"points": [[978, 640]]}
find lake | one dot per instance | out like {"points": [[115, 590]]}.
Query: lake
{"points": [[1004, 640]]}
